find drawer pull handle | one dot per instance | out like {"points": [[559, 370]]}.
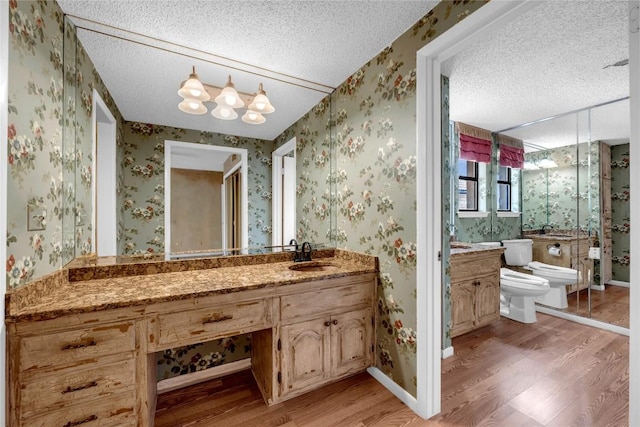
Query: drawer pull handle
{"points": [[82, 387], [91, 343], [83, 421], [216, 318], [335, 322], [327, 323]]}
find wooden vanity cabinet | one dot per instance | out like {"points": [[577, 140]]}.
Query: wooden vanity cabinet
{"points": [[69, 371], [326, 334], [99, 368], [475, 290]]}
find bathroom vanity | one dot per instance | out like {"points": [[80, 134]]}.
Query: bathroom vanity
{"points": [[475, 286], [82, 342]]}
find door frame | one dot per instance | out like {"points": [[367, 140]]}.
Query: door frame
{"points": [[104, 220], [192, 146], [276, 190], [476, 26]]}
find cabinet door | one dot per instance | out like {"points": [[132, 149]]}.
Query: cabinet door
{"points": [[351, 342], [487, 299], [306, 357], [463, 298]]}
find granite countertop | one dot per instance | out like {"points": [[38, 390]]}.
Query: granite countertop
{"points": [[126, 291], [458, 248]]}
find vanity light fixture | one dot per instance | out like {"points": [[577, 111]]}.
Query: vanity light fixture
{"points": [[227, 100], [530, 166], [547, 164]]}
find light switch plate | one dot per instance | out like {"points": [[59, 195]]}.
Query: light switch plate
{"points": [[594, 253]]}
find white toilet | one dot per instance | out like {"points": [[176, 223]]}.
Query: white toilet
{"points": [[519, 252], [517, 291]]}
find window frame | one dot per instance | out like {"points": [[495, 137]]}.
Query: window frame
{"points": [[477, 184], [508, 183]]}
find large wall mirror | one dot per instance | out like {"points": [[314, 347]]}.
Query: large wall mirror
{"points": [[116, 177]]}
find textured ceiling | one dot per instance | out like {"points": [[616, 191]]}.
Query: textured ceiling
{"points": [[552, 60], [283, 44]]}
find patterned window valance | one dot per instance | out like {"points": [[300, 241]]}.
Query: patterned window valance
{"points": [[511, 152], [475, 143]]}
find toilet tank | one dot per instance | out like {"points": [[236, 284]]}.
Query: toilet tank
{"points": [[518, 251]]}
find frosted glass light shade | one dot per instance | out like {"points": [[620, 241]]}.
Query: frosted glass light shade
{"points": [[224, 112], [547, 164], [193, 89], [529, 166], [253, 117], [229, 96], [261, 104], [192, 106]]}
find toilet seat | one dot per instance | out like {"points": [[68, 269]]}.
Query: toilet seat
{"points": [[517, 283], [558, 273]]}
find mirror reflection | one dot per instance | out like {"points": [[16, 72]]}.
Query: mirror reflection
{"points": [[118, 202]]}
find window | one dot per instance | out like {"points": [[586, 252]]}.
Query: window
{"points": [[504, 189], [467, 185]]}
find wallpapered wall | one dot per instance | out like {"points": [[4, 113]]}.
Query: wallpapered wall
{"points": [[620, 217], [567, 188], [41, 169], [375, 119], [143, 183]]}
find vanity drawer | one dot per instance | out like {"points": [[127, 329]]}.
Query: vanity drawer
{"points": [[43, 392], [464, 266], [322, 301], [116, 411], [183, 328], [44, 351]]}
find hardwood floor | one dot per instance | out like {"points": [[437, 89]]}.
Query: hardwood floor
{"points": [[610, 305], [550, 373]]}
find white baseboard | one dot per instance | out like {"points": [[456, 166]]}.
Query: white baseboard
{"points": [[618, 283], [205, 375], [447, 352], [583, 320], [394, 388], [597, 287]]}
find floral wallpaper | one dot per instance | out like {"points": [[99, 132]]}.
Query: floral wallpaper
{"points": [[375, 175], [142, 223], [316, 184], [49, 141], [620, 212], [560, 196]]}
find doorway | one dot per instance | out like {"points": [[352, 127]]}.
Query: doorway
{"points": [[103, 197], [429, 229], [284, 193], [215, 178]]}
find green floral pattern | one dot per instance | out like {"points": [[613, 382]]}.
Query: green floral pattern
{"points": [[620, 212]]}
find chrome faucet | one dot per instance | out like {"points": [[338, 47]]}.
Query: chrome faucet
{"points": [[542, 230]]}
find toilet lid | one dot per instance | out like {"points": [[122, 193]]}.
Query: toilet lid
{"points": [[554, 271], [522, 280]]}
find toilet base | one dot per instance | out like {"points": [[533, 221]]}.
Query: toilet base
{"points": [[518, 308], [556, 297]]}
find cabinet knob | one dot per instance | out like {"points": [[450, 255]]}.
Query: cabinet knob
{"points": [[335, 322], [327, 323], [476, 282]]}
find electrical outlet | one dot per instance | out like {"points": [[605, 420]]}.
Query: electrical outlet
{"points": [[594, 253]]}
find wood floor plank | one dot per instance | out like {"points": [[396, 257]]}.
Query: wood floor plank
{"points": [[550, 373]]}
